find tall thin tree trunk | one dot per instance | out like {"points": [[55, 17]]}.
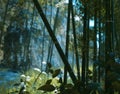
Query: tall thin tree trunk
{"points": [[84, 47], [53, 37], [99, 54], [95, 44], [75, 42], [51, 44], [108, 47], [43, 39], [87, 48], [67, 40]]}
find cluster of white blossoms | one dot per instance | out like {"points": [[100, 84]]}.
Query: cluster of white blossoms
{"points": [[36, 69], [25, 78]]}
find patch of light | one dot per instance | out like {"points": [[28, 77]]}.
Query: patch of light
{"points": [[28, 78], [97, 36], [117, 60], [44, 63], [66, 1], [97, 44], [77, 18], [22, 84], [91, 23], [22, 76], [44, 73], [59, 4], [36, 69], [63, 2]]}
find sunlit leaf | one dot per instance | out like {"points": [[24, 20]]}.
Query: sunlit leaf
{"points": [[14, 92], [26, 92], [28, 82]]}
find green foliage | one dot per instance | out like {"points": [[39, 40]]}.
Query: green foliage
{"points": [[48, 82], [18, 16], [44, 84], [68, 89], [56, 73], [47, 88]]}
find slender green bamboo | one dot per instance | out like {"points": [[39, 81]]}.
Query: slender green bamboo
{"points": [[67, 40], [53, 37], [108, 47]]}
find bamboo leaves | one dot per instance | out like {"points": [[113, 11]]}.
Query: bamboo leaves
{"points": [[56, 73], [47, 88]]}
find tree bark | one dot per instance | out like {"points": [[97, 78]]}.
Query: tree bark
{"points": [[67, 41], [108, 47]]}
